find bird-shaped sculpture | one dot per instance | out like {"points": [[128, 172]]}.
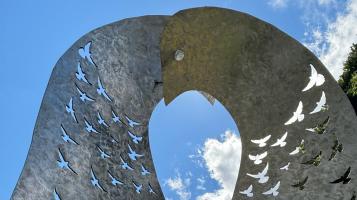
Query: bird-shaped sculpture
{"points": [[104, 89]]}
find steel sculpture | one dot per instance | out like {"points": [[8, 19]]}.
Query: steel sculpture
{"points": [[90, 141]]}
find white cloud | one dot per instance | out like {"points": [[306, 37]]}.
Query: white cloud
{"points": [[331, 29], [326, 2], [222, 159], [179, 186], [278, 3], [197, 158], [317, 42], [312, 12], [305, 4], [201, 183], [338, 39]]}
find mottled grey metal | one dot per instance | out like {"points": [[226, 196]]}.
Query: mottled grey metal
{"points": [[128, 62], [256, 71]]}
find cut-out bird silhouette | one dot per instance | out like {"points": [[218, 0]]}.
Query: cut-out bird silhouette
{"points": [[66, 137], [103, 154], [138, 188], [320, 128], [261, 175], [101, 120], [314, 161], [83, 96], [85, 53], [151, 191], [133, 155], [286, 167], [315, 79], [125, 165], [89, 128], [298, 149], [261, 142], [131, 122], [248, 192], [101, 90], [144, 171], [135, 139], [321, 105], [297, 115], [81, 76], [343, 179], [273, 191], [62, 163], [115, 117], [95, 181], [281, 141], [114, 181], [258, 158], [301, 184], [70, 110], [337, 147]]}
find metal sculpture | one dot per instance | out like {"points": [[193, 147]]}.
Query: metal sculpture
{"points": [[91, 135]]}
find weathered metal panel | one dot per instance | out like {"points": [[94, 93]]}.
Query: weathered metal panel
{"points": [[126, 59], [258, 73]]}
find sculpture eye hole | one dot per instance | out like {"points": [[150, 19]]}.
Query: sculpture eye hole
{"points": [[195, 146]]}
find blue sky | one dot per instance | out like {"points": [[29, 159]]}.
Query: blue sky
{"points": [[178, 137], [34, 34]]}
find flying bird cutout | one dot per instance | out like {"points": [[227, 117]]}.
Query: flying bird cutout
{"points": [[315, 79], [337, 148], [321, 105], [85, 53], [345, 178], [258, 158], [281, 141], [261, 176], [248, 192], [301, 184], [297, 115], [273, 191], [81, 76], [261, 142]]}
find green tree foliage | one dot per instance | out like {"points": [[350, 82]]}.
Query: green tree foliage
{"points": [[348, 80]]}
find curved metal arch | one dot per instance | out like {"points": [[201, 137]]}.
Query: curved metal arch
{"points": [[255, 70], [124, 58], [260, 75]]}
